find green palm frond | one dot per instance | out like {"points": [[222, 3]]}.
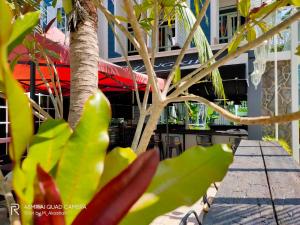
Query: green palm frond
{"points": [[203, 47]]}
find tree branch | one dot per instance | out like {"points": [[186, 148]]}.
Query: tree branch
{"points": [[111, 18], [202, 73], [129, 66], [154, 33], [261, 120], [143, 48], [185, 46]]}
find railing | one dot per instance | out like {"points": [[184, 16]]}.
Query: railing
{"points": [[227, 26], [166, 37]]}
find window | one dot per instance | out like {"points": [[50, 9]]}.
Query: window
{"points": [[4, 126], [61, 20], [44, 15], [131, 49], [228, 22], [45, 102], [166, 36]]}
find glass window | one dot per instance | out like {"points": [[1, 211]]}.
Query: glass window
{"points": [[44, 15], [131, 49], [166, 36], [228, 22], [61, 20]]}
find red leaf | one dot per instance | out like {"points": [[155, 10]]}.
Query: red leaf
{"points": [[114, 200], [49, 24], [47, 205]]}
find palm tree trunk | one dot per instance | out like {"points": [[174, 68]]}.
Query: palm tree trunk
{"points": [[84, 58]]}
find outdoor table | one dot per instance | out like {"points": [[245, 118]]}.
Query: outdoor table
{"points": [[262, 186]]}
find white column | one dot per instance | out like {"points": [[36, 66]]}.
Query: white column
{"points": [[294, 84], [214, 22], [103, 34]]}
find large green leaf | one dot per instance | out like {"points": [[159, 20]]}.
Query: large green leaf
{"points": [[180, 181], [81, 165], [116, 161], [46, 149], [20, 116], [23, 26], [5, 22]]}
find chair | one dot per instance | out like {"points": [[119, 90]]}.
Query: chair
{"points": [[203, 140], [173, 142], [159, 145]]}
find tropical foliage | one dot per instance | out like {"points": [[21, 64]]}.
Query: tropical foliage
{"points": [[70, 167]]}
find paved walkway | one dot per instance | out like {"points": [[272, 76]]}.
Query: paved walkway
{"points": [[174, 217]]}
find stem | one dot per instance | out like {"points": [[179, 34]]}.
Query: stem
{"points": [[143, 48], [138, 130], [151, 124], [261, 120], [186, 45], [13, 217]]}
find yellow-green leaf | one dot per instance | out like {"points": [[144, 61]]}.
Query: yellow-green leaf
{"points": [[82, 162], [20, 116], [244, 7], [5, 22], [115, 161], [298, 50], [180, 181], [68, 6], [263, 26], [251, 35], [177, 75], [235, 42], [295, 2], [21, 27], [45, 149]]}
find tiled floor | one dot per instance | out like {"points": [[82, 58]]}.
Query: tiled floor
{"points": [[174, 217]]}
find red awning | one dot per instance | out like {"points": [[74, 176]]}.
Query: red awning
{"points": [[111, 76]]}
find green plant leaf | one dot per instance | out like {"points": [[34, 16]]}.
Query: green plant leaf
{"points": [[263, 26], [265, 9], [21, 124], [114, 200], [81, 165], [180, 181], [203, 47], [45, 150], [116, 161], [177, 75], [23, 26], [244, 7], [236, 40], [298, 50], [68, 6], [54, 2], [5, 22], [251, 35], [295, 2]]}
